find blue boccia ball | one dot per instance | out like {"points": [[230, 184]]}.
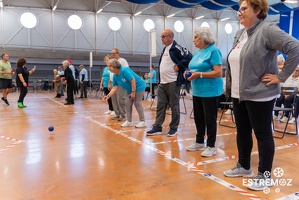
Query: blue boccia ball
{"points": [[188, 74], [51, 128]]}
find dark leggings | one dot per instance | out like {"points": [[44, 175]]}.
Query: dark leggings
{"points": [[257, 116], [23, 93], [205, 117], [106, 91]]}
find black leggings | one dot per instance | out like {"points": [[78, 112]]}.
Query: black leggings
{"points": [[205, 118], [23, 93], [106, 91], [257, 116]]}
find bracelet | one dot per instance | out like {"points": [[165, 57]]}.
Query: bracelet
{"points": [[133, 91]]}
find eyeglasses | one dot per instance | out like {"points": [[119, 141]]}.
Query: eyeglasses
{"points": [[242, 10], [113, 53], [164, 36]]}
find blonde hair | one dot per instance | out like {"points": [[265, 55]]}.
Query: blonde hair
{"points": [[65, 63]]}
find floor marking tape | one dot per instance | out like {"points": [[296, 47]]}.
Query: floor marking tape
{"points": [[15, 143], [181, 162], [293, 196], [236, 156], [187, 139]]}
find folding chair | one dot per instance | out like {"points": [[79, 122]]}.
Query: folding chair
{"points": [[225, 104], [287, 91], [182, 96]]}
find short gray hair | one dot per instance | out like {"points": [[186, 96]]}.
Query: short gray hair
{"points": [[114, 63], [205, 34], [280, 58]]}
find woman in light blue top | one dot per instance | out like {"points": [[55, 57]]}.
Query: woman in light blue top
{"points": [[207, 86], [152, 76], [104, 83], [134, 86]]}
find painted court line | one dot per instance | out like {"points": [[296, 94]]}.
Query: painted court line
{"points": [[181, 162]]}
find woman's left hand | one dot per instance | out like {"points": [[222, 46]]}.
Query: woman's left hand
{"points": [[132, 96], [270, 79]]}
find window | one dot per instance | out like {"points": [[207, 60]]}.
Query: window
{"points": [[75, 22], [178, 26], [28, 20], [114, 23], [148, 24]]}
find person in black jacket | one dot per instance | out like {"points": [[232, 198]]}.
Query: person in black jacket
{"points": [[22, 80], [173, 62], [70, 83]]}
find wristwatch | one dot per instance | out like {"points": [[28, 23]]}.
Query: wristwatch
{"points": [[200, 75]]}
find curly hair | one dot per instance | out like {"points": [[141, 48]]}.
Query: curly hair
{"points": [[21, 62]]}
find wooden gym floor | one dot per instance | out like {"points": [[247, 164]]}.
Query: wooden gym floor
{"points": [[89, 156]]}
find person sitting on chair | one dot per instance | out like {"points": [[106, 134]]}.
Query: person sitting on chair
{"points": [[292, 81]]}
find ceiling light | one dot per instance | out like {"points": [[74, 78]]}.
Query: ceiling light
{"points": [[170, 15], [200, 17], [1, 4], [99, 10], [54, 8], [224, 19], [137, 13], [291, 1]]}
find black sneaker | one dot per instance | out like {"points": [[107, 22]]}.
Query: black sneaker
{"points": [[154, 131], [171, 133], [5, 100]]}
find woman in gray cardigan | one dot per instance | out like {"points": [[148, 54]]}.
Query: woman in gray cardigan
{"points": [[253, 82]]}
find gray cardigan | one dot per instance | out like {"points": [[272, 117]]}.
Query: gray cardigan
{"points": [[259, 56]]}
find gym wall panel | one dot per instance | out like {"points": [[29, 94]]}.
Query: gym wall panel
{"points": [[108, 39], [67, 38], [225, 41], [185, 37], [142, 37], [12, 27]]}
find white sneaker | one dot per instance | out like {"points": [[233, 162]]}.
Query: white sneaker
{"points": [[141, 124], [292, 121], [239, 171], [112, 114], [196, 147], [284, 119], [275, 117], [260, 182], [127, 124], [228, 112], [108, 112], [209, 151]]}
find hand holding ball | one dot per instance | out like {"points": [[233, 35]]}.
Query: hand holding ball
{"points": [[188, 74], [51, 128]]}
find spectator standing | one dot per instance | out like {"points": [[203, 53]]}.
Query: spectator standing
{"points": [[6, 73], [83, 78], [207, 84], [173, 62]]}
